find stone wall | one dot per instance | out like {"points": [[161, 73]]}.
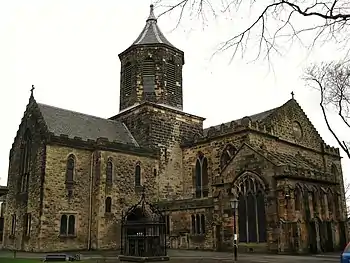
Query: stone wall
{"points": [[30, 201], [159, 127], [105, 227]]}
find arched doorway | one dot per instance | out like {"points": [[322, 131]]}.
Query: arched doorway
{"points": [[251, 208], [143, 232]]}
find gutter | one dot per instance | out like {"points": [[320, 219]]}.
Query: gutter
{"points": [[90, 200]]}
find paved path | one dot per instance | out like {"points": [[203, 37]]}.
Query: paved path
{"points": [[201, 256]]}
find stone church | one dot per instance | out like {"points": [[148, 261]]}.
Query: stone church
{"points": [[71, 175]]}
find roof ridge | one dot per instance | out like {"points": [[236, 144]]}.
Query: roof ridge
{"points": [[89, 115]]}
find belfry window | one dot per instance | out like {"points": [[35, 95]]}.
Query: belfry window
{"points": [[148, 75], [127, 79], [201, 177], [251, 209], [227, 154]]}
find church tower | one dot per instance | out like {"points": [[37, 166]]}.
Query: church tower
{"points": [[151, 70]]}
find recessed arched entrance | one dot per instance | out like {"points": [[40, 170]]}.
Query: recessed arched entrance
{"points": [[143, 233]]}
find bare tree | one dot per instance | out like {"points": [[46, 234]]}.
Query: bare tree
{"points": [[333, 82], [276, 22]]}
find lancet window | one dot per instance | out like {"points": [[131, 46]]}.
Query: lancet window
{"points": [[201, 176]]}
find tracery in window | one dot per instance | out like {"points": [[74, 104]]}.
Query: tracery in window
{"points": [[251, 208], [201, 177], [227, 154]]}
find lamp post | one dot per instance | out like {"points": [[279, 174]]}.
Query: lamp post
{"points": [[234, 206]]}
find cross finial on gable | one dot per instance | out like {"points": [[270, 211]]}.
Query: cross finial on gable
{"points": [[292, 94]]}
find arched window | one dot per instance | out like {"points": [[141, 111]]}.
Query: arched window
{"points": [[227, 154], [25, 160], [297, 197], [314, 202], [251, 209], [148, 75], [193, 221], [71, 225], [201, 177], [330, 203], [108, 205], [109, 172], [137, 175], [70, 169], [63, 225]]}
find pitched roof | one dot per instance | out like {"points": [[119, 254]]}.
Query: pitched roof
{"points": [[74, 124], [151, 33], [259, 117]]}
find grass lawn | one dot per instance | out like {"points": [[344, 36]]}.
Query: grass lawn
{"points": [[19, 260], [36, 260]]}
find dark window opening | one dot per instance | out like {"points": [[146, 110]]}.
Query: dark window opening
{"points": [[13, 224], [108, 205], [109, 173], [251, 210], [27, 224], [297, 201], [198, 224], [201, 178], [167, 224], [25, 161], [67, 225], [138, 175]]}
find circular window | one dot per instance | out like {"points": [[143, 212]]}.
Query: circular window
{"points": [[297, 130]]}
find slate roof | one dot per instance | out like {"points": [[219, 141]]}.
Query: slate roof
{"points": [[151, 33], [259, 117], [61, 121]]}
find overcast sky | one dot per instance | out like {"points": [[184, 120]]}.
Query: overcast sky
{"points": [[69, 50]]}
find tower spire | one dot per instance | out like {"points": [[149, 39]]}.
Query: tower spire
{"points": [[151, 16]]}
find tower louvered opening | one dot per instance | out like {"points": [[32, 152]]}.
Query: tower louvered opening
{"points": [[127, 80], [148, 76], [173, 86]]}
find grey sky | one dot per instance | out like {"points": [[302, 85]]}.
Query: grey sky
{"points": [[69, 51]]}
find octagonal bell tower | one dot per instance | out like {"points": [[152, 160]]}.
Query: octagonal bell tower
{"points": [[151, 70]]}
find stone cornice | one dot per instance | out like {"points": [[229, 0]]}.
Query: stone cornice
{"points": [[101, 144]]}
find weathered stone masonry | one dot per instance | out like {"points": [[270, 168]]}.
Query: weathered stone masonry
{"points": [[72, 175]]}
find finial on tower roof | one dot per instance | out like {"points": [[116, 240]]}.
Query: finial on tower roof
{"points": [[32, 91], [292, 94], [151, 14]]}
